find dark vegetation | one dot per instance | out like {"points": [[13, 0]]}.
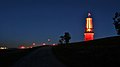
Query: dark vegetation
{"points": [[97, 53], [10, 56], [117, 22], [65, 39]]}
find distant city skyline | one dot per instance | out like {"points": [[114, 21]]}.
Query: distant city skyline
{"points": [[28, 21]]}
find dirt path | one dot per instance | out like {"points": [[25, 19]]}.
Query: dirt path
{"points": [[42, 57]]}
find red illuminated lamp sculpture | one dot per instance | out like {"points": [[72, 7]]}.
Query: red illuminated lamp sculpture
{"points": [[89, 34]]}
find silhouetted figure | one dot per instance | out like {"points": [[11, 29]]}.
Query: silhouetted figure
{"points": [[117, 22], [61, 41], [67, 37]]}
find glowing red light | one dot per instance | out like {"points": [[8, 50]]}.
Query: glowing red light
{"points": [[89, 36], [22, 47], [54, 44], [49, 40], [44, 44], [30, 47], [33, 44]]}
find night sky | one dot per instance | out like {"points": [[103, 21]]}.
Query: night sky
{"points": [[27, 21]]}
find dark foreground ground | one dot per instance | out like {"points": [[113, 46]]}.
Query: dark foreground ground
{"points": [[36, 57], [98, 53], [10, 56], [42, 57]]}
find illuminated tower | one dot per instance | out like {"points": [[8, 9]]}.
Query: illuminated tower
{"points": [[89, 33]]}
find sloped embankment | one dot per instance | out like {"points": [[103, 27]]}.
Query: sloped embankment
{"points": [[96, 53]]}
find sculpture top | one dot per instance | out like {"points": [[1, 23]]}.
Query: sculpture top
{"points": [[89, 14]]}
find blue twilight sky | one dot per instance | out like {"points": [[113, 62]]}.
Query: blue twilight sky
{"points": [[27, 21]]}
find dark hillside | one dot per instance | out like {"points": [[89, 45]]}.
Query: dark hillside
{"points": [[96, 53]]}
